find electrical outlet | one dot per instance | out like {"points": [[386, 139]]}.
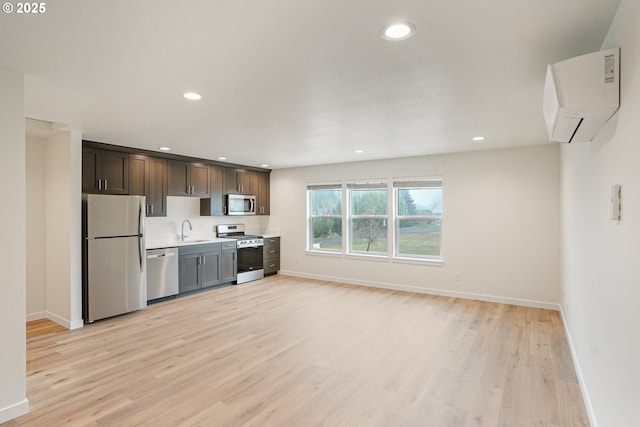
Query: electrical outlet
{"points": [[457, 277]]}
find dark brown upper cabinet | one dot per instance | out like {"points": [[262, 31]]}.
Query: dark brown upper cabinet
{"points": [[148, 177], [214, 204], [105, 172], [260, 185], [188, 179], [238, 181]]}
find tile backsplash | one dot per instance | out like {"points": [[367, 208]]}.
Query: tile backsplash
{"points": [[163, 229]]}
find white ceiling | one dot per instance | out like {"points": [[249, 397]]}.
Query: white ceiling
{"points": [[298, 82]]}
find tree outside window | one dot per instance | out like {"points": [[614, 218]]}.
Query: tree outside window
{"points": [[418, 222], [368, 219], [414, 224], [325, 219]]}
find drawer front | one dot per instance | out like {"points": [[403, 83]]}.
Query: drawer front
{"points": [[272, 241], [271, 265], [194, 249], [228, 245], [271, 252]]}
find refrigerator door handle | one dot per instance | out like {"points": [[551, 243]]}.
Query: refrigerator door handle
{"points": [[140, 235]]}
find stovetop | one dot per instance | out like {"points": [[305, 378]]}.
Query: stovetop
{"points": [[240, 236], [237, 231]]}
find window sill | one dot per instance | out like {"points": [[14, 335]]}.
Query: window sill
{"points": [[333, 254], [420, 261], [377, 258], [367, 257]]}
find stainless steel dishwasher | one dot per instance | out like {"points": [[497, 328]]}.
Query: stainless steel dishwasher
{"points": [[162, 273]]}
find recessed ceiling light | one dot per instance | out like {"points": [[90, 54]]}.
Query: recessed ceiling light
{"points": [[222, 158], [192, 96], [478, 138], [165, 148], [358, 151], [264, 165], [398, 31]]}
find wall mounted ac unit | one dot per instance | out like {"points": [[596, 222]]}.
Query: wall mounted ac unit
{"points": [[580, 95]]}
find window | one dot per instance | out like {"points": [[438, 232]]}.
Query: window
{"points": [[418, 219], [399, 219], [325, 217], [368, 225]]}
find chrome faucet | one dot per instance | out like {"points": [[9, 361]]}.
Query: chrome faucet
{"points": [[186, 221]]}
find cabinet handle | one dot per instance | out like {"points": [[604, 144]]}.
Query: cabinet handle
{"points": [[204, 260], [151, 209], [105, 185], [99, 184]]}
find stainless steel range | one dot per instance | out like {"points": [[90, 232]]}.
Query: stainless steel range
{"points": [[250, 251]]}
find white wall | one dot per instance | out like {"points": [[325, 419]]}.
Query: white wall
{"points": [[601, 283], [501, 225], [54, 286], [63, 230], [36, 229], [13, 400], [163, 229]]}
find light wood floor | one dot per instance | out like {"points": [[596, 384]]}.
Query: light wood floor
{"points": [[285, 351]]}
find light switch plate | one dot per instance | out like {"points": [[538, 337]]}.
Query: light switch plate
{"points": [[616, 202]]}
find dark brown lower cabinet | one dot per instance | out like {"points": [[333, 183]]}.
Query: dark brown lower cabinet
{"points": [[271, 255], [229, 262], [206, 266]]}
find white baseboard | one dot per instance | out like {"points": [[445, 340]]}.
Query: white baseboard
{"points": [[576, 364], [75, 324], [36, 316], [429, 291], [14, 411]]}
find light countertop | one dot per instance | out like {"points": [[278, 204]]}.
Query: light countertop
{"points": [[270, 235], [188, 242]]}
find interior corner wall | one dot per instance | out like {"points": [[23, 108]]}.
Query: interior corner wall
{"points": [[600, 256], [75, 230], [54, 234], [36, 229], [63, 231], [13, 400], [501, 225]]}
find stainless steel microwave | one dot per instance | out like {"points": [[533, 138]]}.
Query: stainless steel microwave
{"points": [[240, 204]]}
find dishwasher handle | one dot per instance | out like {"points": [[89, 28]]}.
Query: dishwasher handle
{"points": [[151, 256]]}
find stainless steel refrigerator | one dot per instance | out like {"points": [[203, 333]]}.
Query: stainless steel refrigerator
{"points": [[114, 261]]}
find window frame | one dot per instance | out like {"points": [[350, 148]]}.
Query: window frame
{"points": [[311, 217], [368, 185], [400, 184], [392, 217]]}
